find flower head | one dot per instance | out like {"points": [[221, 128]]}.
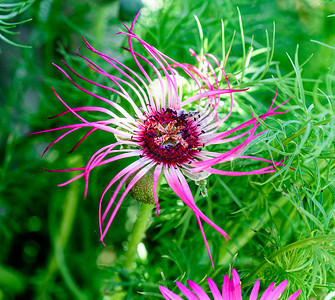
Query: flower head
{"points": [[165, 132], [231, 290]]}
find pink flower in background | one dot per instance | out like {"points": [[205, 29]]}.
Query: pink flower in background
{"points": [[165, 132], [231, 290]]}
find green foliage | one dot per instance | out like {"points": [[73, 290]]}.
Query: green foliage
{"points": [[9, 11], [281, 225]]}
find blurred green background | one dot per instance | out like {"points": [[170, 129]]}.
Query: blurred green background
{"points": [[49, 236]]}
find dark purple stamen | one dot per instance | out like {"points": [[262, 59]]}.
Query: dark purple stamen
{"points": [[170, 138]]}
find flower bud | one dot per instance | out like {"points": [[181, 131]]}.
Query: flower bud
{"points": [[143, 189]]}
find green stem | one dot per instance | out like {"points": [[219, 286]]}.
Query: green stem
{"points": [[135, 238], [137, 234], [299, 244]]}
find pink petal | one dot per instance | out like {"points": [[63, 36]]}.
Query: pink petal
{"points": [[237, 286], [113, 104], [225, 288], [279, 289], [58, 139], [254, 292], [187, 293], [268, 292], [168, 295], [294, 295], [214, 289], [183, 191], [157, 173], [137, 177], [198, 290]]}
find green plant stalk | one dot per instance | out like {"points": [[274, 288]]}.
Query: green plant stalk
{"points": [[136, 237], [137, 234], [141, 223]]}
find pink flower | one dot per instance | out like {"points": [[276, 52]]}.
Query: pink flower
{"points": [[165, 132], [231, 290]]}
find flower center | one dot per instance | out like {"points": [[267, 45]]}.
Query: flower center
{"points": [[170, 137]]}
